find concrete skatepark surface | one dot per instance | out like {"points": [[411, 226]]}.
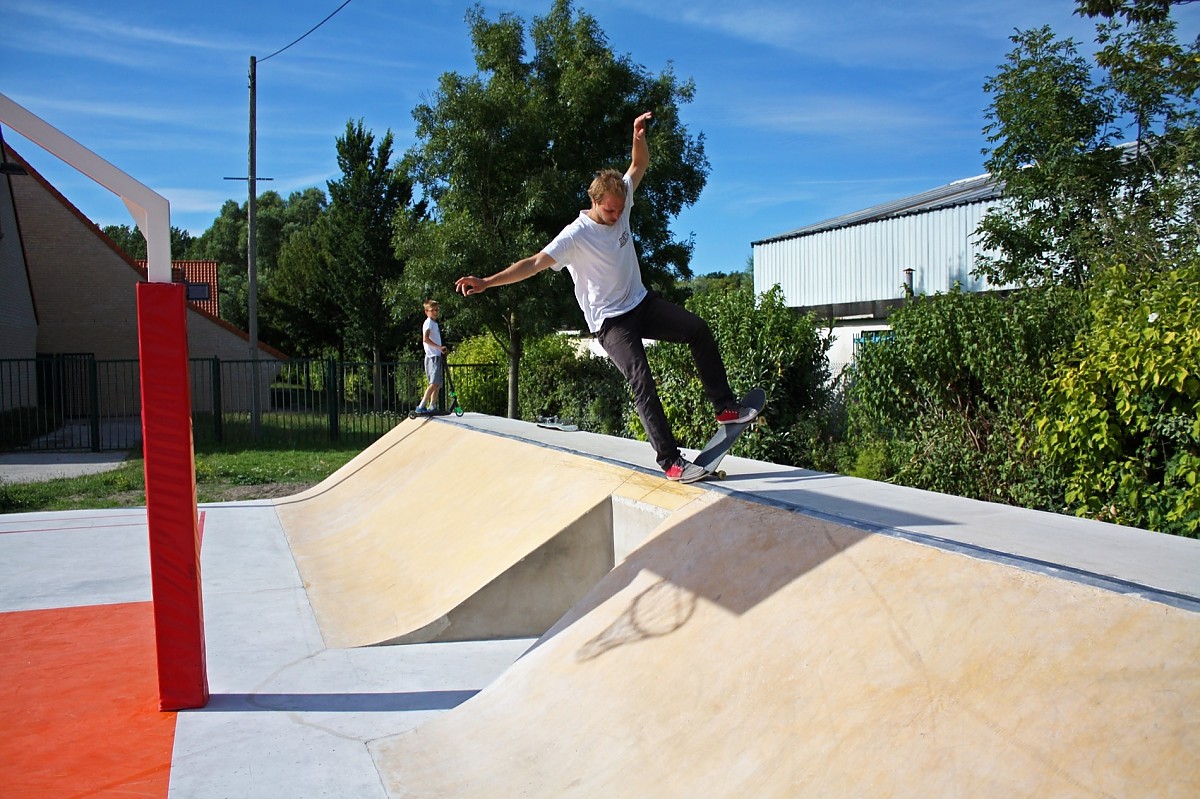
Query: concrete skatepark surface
{"points": [[581, 627]]}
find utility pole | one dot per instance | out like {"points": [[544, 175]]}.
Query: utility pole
{"points": [[251, 239], [252, 250], [252, 253]]}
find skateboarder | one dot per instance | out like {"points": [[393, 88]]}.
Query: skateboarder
{"points": [[597, 250], [435, 357]]}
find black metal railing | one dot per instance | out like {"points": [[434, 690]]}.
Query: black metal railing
{"points": [[74, 402]]}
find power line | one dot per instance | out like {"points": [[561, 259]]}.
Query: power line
{"points": [[314, 27]]}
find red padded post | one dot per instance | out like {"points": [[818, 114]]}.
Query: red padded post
{"points": [[171, 496]]}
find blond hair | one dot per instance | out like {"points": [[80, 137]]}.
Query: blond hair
{"points": [[606, 182], [431, 304]]}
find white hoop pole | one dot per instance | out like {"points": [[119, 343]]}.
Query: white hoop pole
{"points": [[150, 210]]}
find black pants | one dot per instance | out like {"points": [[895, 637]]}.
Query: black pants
{"points": [[656, 318]]}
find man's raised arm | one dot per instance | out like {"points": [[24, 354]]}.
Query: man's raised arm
{"points": [[641, 150]]}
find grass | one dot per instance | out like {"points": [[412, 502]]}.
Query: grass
{"points": [[222, 474]]}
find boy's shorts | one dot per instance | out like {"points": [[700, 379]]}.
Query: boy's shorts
{"points": [[434, 369]]}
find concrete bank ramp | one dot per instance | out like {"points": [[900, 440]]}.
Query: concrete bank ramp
{"points": [[439, 532], [749, 651]]}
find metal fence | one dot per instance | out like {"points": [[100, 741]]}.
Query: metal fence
{"points": [[80, 403]]}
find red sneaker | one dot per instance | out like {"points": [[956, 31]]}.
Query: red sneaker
{"points": [[736, 415], [683, 471]]}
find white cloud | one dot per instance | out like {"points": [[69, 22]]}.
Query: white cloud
{"points": [[112, 28], [128, 112], [926, 34], [191, 201]]}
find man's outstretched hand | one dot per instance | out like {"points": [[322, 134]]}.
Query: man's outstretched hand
{"points": [[469, 285]]}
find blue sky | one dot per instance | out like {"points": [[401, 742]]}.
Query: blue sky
{"points": [[809, 109]]}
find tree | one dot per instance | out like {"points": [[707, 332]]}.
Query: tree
{"points": [[720, 282], [278, 221], [1073, 201], [364, 203], [1052, 131], [225, 243], [940, 403], [505, 156], [133, 243], [302, 296]]}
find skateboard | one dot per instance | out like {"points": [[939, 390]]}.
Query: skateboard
{"points": [[552, 423], [710, 457], [451, 398]]}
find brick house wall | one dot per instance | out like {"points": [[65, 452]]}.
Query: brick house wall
{"points": [[83, 289], [18, 321]]}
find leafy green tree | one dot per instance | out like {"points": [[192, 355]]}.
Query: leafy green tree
{"points": [[302, 296], [363, 205], [1052, 130], [485, 392], [764, 343], [1070, 194], [225, 243], [505, 156], [276, 220], [1121, 415], [131, 240], [719, 282]]}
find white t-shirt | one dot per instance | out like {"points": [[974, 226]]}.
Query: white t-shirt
{"points": [[602, 262], [435, 335]]}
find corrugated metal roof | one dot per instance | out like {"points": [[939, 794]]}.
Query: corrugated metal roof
{"points": [[960, 192]]}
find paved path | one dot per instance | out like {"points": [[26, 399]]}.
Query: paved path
{"points": [[38, 467]]}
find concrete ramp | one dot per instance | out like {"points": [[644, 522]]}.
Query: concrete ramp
{"points": [[750, 651], [438, 532]]}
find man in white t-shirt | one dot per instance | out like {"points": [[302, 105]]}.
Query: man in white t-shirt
{"points": [[597, 250]]}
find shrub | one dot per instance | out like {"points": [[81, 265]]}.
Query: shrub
{"points": [[487, 390], [942, 403], [1122, 414], [558, 380]]}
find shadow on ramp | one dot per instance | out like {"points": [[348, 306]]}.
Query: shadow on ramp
{"points": [[750, 651]]}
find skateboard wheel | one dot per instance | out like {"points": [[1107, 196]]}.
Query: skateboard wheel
{"points": [[721, 474]]}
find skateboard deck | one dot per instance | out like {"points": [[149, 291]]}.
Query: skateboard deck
{"points": [[716, 448], [552, 423]]}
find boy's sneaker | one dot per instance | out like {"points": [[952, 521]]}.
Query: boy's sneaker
{"points": [[684, 471], [420, 409], [736, 415]]}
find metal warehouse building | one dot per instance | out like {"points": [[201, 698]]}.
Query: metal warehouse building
{"points": [[853, 269]]}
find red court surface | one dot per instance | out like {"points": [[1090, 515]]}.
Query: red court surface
{"points": [[79, 704]]}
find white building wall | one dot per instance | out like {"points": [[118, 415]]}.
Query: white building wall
{"points": [[866, 262]]}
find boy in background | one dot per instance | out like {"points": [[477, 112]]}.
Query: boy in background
{"points": [[435, 360]]}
